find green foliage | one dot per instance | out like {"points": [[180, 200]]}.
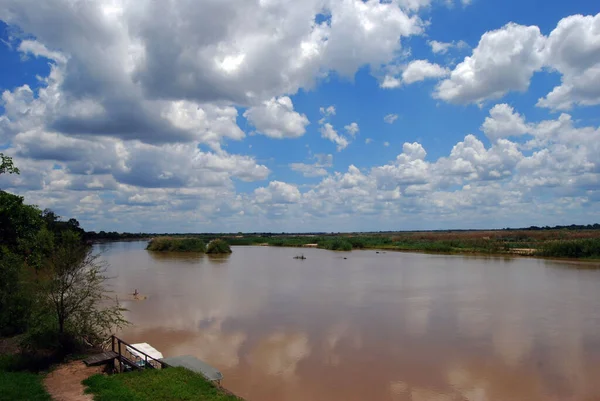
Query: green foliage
{"points": [[337, 244], [19, 224], [149, 385], [15, 297], [169, 244], [76, 294], [580, 248], [218, 246], [7, 166]]}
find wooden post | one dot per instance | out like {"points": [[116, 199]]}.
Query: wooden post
{"points": [[120, 360]]}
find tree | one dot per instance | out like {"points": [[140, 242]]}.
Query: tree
{"points": [[7, 166], [77, 293], [23, 240]]}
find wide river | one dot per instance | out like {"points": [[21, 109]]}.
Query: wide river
{"points": [[374, 326]]}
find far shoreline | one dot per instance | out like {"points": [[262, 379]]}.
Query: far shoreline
{"points": [[572, 260], [548, 243], [595, 261]]}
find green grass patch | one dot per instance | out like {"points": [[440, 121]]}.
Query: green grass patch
{"points": [[26, 386], [165, 385], [17, 385], [169, 244]]}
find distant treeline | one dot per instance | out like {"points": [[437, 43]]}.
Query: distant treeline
{"points": [[571, 227], [117, 236]]}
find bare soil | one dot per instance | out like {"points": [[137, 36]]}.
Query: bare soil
{"points": [[64, 382]]}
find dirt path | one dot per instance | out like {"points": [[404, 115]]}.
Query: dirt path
{"points": [[64, 382]]}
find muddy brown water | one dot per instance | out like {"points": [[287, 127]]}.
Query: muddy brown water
{"points": [[387, 326]]}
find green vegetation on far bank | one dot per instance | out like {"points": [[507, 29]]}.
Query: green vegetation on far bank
{"points": [[188, 244], [149, 385], [546, 243], [218, 247], [170, 244], [577, 248]]}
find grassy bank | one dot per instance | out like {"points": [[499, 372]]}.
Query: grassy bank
{"points": [[17, 384], [548, 243], [149, 385]]}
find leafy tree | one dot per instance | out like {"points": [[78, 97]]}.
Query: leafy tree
{"points": [[19, 223], [15, 301], [7, 166], [77, 292]]}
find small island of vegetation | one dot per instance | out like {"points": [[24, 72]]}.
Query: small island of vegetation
{"points": [[170, 244], [197, 245], [218, 247]]}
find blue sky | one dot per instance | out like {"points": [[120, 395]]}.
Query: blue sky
{"points": [[323, 115]]}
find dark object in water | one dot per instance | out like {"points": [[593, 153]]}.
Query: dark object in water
{"points": [[377, 252], [345, 258], [300, 257]]}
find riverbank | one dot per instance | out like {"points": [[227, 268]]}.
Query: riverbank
{"points": [[71, 380], [576, 244], [150, 385]]}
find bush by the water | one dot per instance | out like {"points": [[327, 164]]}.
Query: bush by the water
{"points": [[336, 245], [169, 244], [580, 248], [218, 246]]}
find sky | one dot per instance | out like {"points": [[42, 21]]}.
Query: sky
{"points": [[297, 116]]}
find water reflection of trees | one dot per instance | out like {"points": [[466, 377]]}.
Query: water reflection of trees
{"points": [[183, 257], [217, 259]]}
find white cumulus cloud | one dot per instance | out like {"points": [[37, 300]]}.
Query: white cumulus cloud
{"points": [[328, 132], [504, 60], [276, 118]]}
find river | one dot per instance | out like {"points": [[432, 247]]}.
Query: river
{"points": [[375, 326]]}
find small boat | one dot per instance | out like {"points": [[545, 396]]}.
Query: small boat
{"points": [[141, 351], [302, 257]]}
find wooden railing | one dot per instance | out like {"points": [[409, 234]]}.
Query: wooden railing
{"points": [[134, 361]]}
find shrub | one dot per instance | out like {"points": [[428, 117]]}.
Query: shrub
{"points": [[580, 248], [218, 246], [336, 244]]}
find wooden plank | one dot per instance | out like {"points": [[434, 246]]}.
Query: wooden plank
{"points": [[100, 359], [196, 365]]}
